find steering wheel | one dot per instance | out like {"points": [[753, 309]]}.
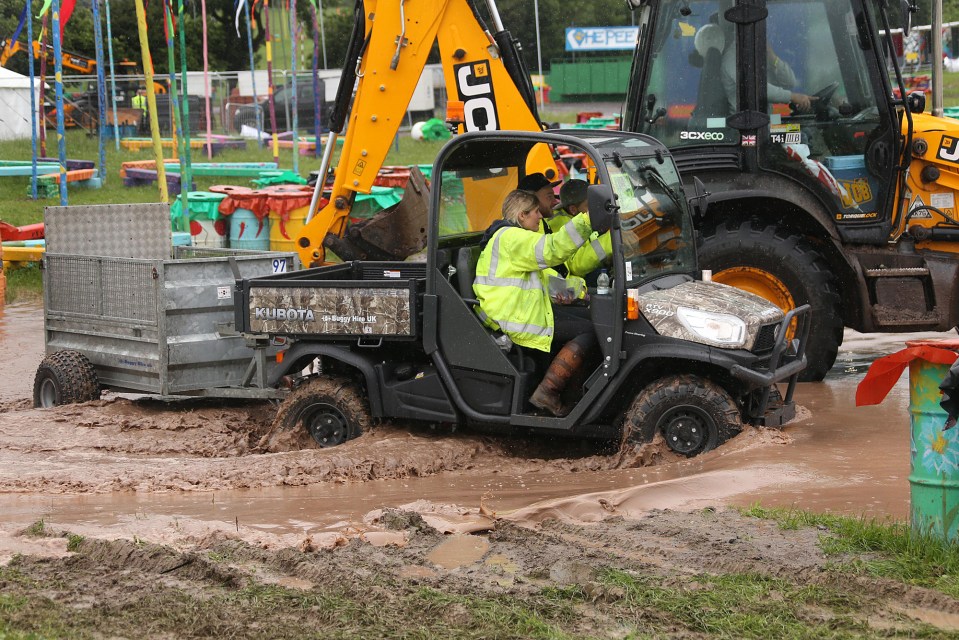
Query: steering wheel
{"points": [[822, 97], [825, 94]]}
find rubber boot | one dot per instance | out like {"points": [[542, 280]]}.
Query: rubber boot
{"points": [[548, 394]]}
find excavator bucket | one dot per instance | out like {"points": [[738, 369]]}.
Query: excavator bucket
{"points": [[393, 234]]}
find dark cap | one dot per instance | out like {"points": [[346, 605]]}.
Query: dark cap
{"points": [[534, 182], [572, 192]]}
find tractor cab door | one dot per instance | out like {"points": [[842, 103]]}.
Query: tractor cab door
{"points": [[829, 126]]}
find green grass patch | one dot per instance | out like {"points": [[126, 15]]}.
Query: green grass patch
{"points": [[893, 550], [74, 541], [736, 606], [500, 617]]}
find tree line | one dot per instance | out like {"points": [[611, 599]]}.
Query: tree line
{"points": [[229, 52]]}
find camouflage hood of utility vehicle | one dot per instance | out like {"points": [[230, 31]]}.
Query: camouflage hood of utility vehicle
{"points": [[659, 307]]}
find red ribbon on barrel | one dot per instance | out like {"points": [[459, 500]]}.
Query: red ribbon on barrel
{"points": [[884, 372]]}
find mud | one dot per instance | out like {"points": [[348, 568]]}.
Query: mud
{"points": [[99, 499]]}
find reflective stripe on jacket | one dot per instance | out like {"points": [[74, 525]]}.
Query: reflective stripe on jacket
{"points": [[512, 279], [592, 255]]}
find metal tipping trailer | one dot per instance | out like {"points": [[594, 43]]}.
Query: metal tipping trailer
{"points": [[122, 312]]}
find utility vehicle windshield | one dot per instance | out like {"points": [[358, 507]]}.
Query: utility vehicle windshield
{"points": [[655, 224]]}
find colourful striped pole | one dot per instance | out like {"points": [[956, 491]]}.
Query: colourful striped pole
{"points": [[317, 125], [269, 73], [33, 106], [294, 103], [206, 84], [43, 87], [101, 92], [58, 83], [249, 44], [151, 99], [187, 175], [113, 79], [175, 108]]}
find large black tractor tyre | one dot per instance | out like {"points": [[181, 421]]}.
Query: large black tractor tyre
{"points": [[323, 412], [65, 377], [693, 414], [786, 270]]}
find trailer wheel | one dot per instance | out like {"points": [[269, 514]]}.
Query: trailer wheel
{"points": [[787, 271], [65, 377], [324, 412], [693, 414]]}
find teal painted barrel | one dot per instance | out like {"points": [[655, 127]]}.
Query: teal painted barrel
{"points": [[249, 232], [934, 462]]}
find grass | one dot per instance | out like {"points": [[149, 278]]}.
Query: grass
{"points": [[893, 550], [737, 605], [44, 599]]}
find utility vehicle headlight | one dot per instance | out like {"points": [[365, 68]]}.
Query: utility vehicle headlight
{"points": [[716, 328]]}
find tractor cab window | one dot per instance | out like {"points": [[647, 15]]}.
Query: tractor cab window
{"points": [[687, 101]]}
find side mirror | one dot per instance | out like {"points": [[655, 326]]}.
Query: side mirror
{"points": [[698, 201], [908, 8], [632, 5], [916, 102], [601, 202]]}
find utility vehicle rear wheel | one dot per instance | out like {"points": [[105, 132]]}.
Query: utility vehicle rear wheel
{"points": [[324, 412], [693, 414], [787, 271], [65, 377]]}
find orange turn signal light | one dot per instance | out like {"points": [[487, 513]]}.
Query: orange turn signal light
{"points": [[455, 111], [632, 304]]}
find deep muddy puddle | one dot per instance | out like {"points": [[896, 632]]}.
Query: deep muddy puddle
{"points": [[834, 457]]}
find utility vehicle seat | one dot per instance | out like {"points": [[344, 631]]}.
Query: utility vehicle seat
{"points": [[465, 263], [466, 259]]}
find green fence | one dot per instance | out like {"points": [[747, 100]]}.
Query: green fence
{"points": [[588, 79]]}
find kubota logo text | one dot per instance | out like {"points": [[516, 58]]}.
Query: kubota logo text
{"points": [[272, 313]]}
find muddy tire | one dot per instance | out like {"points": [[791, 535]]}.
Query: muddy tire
{"points": [[693, 414], [323, 412], [786, 270], [65, 377]]}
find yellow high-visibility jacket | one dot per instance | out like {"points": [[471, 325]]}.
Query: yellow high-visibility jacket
{"points": [[512, 278], [592, 255]]}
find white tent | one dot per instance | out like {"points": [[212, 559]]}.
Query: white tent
{"points": [[15, 104]]}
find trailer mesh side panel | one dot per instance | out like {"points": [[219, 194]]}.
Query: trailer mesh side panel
{"points": [[104, 288], [128, 290]]}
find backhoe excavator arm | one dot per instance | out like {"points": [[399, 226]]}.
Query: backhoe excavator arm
{"points": [[387, 54], [73, 61]]}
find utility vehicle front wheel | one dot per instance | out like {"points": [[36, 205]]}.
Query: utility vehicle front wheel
{"points": [[65, 377], [324, 412], [693, 414]]}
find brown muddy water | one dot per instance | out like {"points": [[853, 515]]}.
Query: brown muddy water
{"points": [[833, 457]]}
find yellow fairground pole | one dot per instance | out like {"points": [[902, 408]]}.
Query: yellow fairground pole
{"points": [[151, 100]]}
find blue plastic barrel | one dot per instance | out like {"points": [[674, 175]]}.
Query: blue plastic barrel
{"points": [[249, 232]]}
